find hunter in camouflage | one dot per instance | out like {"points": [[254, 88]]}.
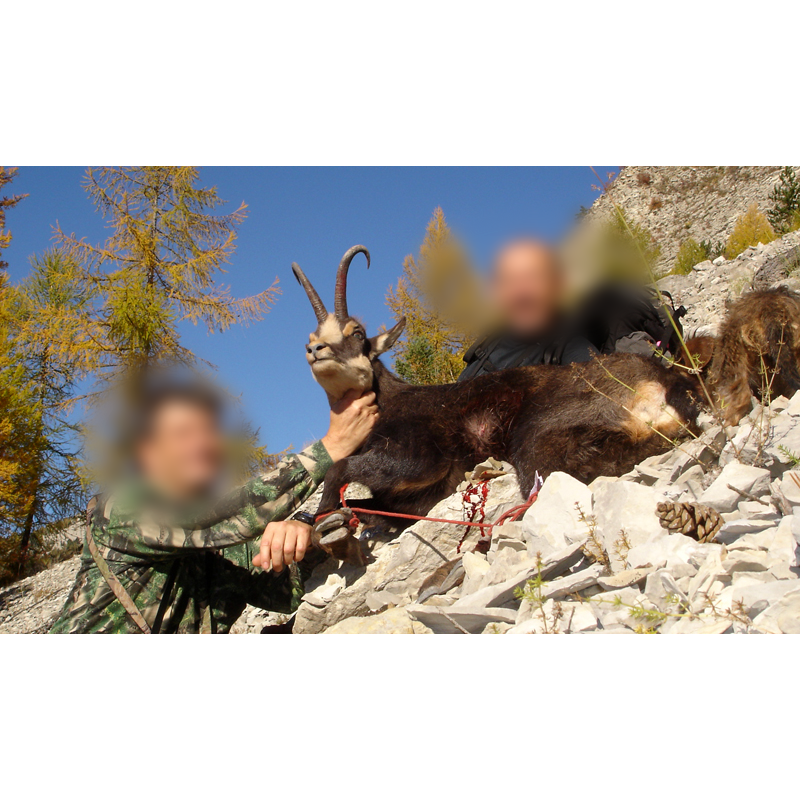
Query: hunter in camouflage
{"points": [[194, 574]]}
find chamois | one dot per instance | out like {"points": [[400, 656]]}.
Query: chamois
{"points": [[757, 351], [598, 418]]}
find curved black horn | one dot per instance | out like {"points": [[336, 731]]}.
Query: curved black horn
{"points": [[340, 297], [317, 304]]}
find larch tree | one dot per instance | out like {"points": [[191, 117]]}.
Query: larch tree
{"points": [[625, 250], [39, 368], [38, 482], [18, 414], [46, 315], [7, 174], [158, 268], [438, 295]]}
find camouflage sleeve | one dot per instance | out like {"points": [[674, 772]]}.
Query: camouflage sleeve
{"points": [[240, 516]]}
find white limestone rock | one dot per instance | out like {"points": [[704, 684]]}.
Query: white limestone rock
{"points": [[470, 619], [395, 620], [402, 565], [555, 517], [502, 594], [751, 480], [475, 567], [628, 508], [782, 616]]}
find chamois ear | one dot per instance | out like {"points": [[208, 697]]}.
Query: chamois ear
{"points": [[385, 341]]}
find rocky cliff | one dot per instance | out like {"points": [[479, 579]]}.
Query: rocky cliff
{"points": [[674, 203]]}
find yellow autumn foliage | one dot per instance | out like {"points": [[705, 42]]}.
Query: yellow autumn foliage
{"points": [[751, 228]]}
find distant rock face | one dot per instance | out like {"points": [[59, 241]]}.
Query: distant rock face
{"points": [[710, 287], [674, 203]]}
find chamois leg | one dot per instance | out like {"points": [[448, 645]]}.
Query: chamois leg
{"points": [[405, 479], [332, 533]]}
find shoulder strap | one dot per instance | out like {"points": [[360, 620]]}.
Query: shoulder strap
{"points": [[112, 580], [477, 357]]}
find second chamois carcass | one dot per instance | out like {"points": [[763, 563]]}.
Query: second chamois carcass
{"points": [[598, 418], [755, 354]]}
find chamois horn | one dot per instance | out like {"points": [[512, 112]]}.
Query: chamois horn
{"points": [[340, 297], [317, 304]]}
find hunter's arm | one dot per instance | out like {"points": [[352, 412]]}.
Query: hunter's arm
{"points": [[240, 516]]}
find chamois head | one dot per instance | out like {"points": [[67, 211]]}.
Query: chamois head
{"points": [[339, 352]]}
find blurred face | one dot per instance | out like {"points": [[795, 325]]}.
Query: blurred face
{"points": [[183, 454], [526, 288]]}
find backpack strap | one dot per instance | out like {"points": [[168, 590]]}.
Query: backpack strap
{"points": [[111, 579], [478, 354]]}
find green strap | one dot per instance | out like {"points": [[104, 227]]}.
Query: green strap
{"points": [[113, 582]]}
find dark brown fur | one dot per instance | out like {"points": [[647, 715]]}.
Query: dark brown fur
{"points": [[757, 351], [700, 353], [583, 420]]}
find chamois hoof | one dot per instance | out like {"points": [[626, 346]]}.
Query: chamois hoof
{"points": [[338, 519], [334, 535]]}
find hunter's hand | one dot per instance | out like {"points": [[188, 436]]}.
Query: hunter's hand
{"points": [[283, 543], [352, 419]]}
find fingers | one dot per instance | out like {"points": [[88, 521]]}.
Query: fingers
{"points": [[264, 558], [282, 544], [276, 551], [367, 399], [303, 542], [289, 545], [349, 398]]}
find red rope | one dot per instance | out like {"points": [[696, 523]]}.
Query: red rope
{"points": [[512, 514]]}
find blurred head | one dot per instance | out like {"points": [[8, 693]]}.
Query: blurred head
{"points": [[527, 287], [179, 444]]}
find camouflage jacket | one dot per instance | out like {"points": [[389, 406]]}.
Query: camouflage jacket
{"points": [[196, 575]]}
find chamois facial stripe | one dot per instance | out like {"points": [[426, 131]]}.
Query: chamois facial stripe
{"points": [[329, 332]]}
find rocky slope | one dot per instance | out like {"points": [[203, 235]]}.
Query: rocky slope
{"points": [[31, 605], [598, 558], [708, 289], [674, 203]]}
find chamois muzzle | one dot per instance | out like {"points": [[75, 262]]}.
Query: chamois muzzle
{"points": [[316, 303], [340, 297]]}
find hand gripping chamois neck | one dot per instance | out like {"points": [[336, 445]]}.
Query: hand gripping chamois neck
{"points": [[339, 353]]}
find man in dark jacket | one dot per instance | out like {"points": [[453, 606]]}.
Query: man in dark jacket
{"points": [[527, 288]]}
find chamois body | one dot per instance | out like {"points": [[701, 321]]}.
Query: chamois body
{"points": [[598, 418]]}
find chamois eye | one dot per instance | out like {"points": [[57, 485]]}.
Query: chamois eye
{"points": [[359, 335]]}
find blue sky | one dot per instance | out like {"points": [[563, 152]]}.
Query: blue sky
{"points": [[312, 215]]}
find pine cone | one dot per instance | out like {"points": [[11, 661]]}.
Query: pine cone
{"points": [[699, 522]]}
